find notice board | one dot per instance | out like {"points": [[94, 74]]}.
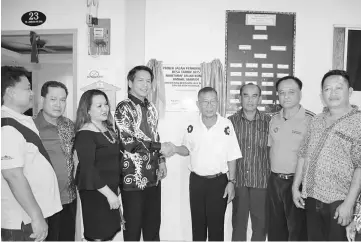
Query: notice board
{"points": [[260, 48]]}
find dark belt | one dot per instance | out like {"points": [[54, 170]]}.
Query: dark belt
{"points": [[284, 176], [209, 176]]}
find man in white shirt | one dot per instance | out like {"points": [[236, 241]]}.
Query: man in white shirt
{"points": [[213, 148], [29, 187]]}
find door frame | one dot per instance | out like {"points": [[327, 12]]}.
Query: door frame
{"points": [[74, 33]]}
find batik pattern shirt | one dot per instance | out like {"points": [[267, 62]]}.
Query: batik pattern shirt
{"points": [[137, 123], [331, 155]]}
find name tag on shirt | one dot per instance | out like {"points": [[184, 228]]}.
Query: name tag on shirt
{"points": [[296, 132]]}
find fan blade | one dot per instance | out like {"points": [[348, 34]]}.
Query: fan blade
{"points": [[47, 50], [17, 44]]}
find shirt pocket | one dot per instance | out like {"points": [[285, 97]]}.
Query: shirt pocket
{"points": [[296, 138], [261, 137], [344, 142]]}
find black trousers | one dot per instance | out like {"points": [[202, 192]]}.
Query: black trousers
{"points": [[321, 225], [22, 234], [247, 201], [208, 207], [62, 224], [286, 222], [142, 213]]}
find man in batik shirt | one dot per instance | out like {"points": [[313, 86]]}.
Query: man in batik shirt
{"points": [[329, 164], [142, 165]]}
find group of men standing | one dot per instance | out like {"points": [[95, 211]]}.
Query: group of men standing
{"points": [[38, 193], [303, 183], [298, 175]]}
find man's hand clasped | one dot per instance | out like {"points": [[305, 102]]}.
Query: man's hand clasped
{"points": [[168, 149]]}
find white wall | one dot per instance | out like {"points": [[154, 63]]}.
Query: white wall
{"points": [[185, 32], [193, 31], [70, 14]]}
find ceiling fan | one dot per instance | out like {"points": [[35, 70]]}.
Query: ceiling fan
{"points": [[36, 45]]}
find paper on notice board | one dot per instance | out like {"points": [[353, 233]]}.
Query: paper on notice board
{"points": [[278, 48], [260, 27], [267, 74], [279, 66], [244, 47], [260, 36], [267, 65], [252, 65], [266, 92], [236, 83], [261, 19], [235, 64], [234, 91], [252, 74], [236, 73], [280, 75], [233, 100], [260, 56], [267, 84]]}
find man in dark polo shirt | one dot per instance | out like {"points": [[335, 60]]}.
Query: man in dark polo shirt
{"points": [[253, 169], [287, 130], [56, 133]]}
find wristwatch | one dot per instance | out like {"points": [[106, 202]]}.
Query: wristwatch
{"points": [[232, 181], [161, 160]]}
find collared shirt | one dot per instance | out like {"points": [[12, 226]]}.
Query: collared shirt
{"points": [[52, 143], [15, 153], [331, 156], [137, 126], [285, 137], [211, 149], [254, 167], [144, 108]]}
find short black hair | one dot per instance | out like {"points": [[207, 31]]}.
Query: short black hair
{"points": [[205, 90], [297, 80], [342, 73], [250, 84], [10, 75], [132, 72], [46, 85]]}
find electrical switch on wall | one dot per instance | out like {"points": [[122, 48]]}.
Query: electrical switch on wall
{"points": [[99, 38]]}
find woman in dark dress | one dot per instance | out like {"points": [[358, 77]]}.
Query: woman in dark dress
{"points": [[98, 172]]}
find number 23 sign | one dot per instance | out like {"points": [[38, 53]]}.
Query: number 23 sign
{"points": [[33, 18]]}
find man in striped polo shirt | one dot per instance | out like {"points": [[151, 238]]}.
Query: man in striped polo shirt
{"points": [[252, 171], [287, 130]]}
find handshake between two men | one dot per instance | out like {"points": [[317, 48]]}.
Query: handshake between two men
{"points": [[168, 149]]}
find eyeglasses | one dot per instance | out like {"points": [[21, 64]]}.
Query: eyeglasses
{"points": [[211, 103]]}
